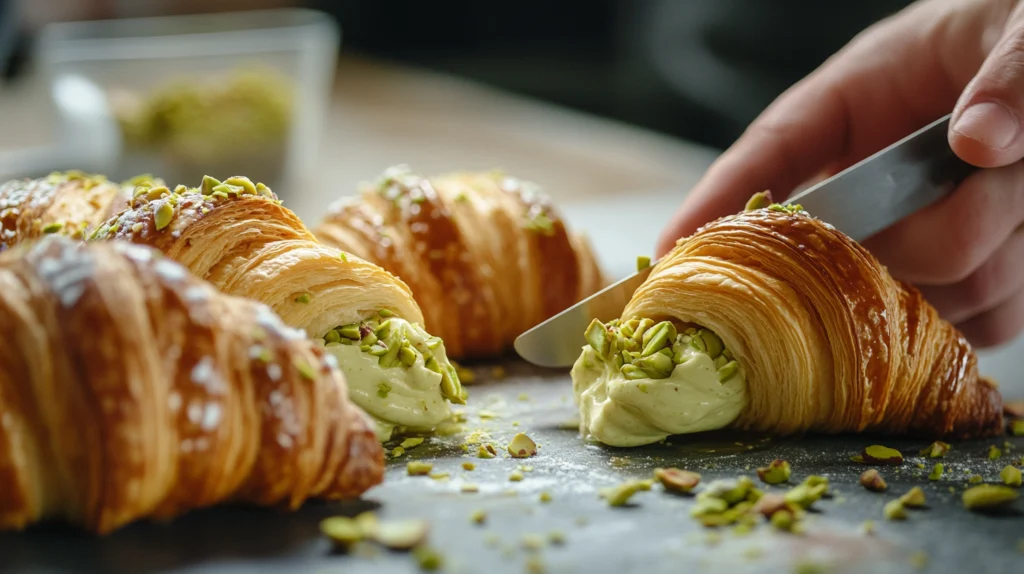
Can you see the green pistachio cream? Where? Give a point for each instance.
(637, 382)
(396, 372)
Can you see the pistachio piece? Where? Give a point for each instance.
(655, 366)
(804, 495)
(478, 517)
(1016, 427)
(305, 370)
(383, 390)
(641, 327)
(209, 182)
(516, 476)
(163, 215)
(402, 534)
(407, 355)
(246, 184)
(728, 371)
(52, 227)
(597, 336)
(975, 479)
(937, 471)
(936, 449)
(657, 337)
(642, 262)
(994, 453)
(712, 342)
(783, 520)
(878, 454)
(872, 480)
(439, 475)
(450, 387)
(332, 336)
(1011, 476)
(776, 472)
(894, 510)
(677, 480)
(418, 468)
(620, 495)
(988, 496)
(342, 530)
(521, 446)
(759, 200)
(427, 558)
(486, 451)
(412, 442)
(545, 497)
(469, 488)
(914, 498)
(397, 452)
(771, 503)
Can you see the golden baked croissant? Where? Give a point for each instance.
(134, 390)
(486, 255)
(771, 320)
(237, 235)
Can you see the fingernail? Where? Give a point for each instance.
(989, 124)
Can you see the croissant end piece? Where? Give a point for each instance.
(486, 255)
(135, 390)
(771, 320)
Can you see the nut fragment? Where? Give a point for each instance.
(914, 498)
(427, 558)
(402, 534)
(545, 496)
(783, 520)
(872, 480)
(776, 472)
(486, 451)
(878, 454)
(937, 471)
(1011, 476)
(771, 503)
(676, 479)
(411, 442)
(516, 476)
(478, 517)
(936, 450)
(418, 468)
(468, 466)
(1017, 427)
(994, 453)
(642, 262)
(620, 495)
(342, 530)
(988, 496)
(758, 201)
(521, 446)
(894, 510)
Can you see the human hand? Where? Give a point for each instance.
(966, 251)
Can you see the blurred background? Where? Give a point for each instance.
(615, 107)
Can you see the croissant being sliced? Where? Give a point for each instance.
(486, 255)
(237, 235)
(134, 390)
(771, 320)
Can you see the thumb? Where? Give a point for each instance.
(986, 128)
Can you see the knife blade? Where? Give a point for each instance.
(860, 201)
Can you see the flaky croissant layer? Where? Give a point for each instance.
(828, 340)
(135, 390)
(487, 255)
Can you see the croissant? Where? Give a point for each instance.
(237, 235)
(486, 255)
(134, 390)
(771, 320)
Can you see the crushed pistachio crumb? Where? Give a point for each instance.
(516, 476)
(469, 488)
(427, 558)
(522, 446)
(777, 472)
(468, 466)
(872, 480)
(994, 453)
(620, 495)
(486, 451)
(677, 480)
(412, 442)
(303, 298)
(545, 496)
(397, 452)
(936, 450)
(52, 227)
(937, 471)
(894, 510)
(988, 496)
(642, 262)
(1011, 476)
(439, 475)
(975, 479)
(418, 468)
(383, 390)
(478, 517)
(914, 498)
(878, 454)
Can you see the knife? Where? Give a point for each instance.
(859, 201)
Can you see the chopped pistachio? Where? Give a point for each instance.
(341, 530)
(1017, 427)
(402, 534)
(486, 451)
(498, 372)
(305, 370)
(975, 479)
(936, 450)
(1011, 476)
(545, 496)
(804, 495)
(516, 476)
(412, 442)
(914, 498)
(303, 298)
(936, 472)
(777, 472)
(677, 480)
(988, 496)
(427, 558)
(894, 510)
(556, 537)
(868, 527)
(532, 542)
(871, 479)
(521, 446)
(468, 466)
(397, 452)
(878, 454)
(620, 495)
(478, 517)
(439, 475)
(783, 520)
(52, 227)
(771, 503)
(597, 336)
(383, 389)
(758, 201)
(919, 465)
(163, 215)
(469, 487)
(418, 468)
(642, 262)
(994, 453)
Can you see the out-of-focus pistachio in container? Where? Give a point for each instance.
(239, 93)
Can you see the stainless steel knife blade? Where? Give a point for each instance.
(859, 201)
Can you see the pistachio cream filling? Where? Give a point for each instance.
(396, 372)
(637, 382)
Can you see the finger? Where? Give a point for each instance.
(994, 282)
(986, 127)
(998, 325)
(947, 241)
(859, 101)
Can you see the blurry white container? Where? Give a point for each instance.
(92, 65)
